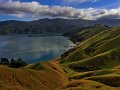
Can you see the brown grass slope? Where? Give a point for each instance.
(50, 77)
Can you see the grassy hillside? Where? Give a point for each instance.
(87, 85)
(44, 76)
(97, 58)
(103, 46)
(82, 33)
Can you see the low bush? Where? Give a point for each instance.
(13, 63)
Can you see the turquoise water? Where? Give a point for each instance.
(33, 49)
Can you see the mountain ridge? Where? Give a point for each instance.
(50, 25)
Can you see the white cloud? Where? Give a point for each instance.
(36, 10)
(79, 1)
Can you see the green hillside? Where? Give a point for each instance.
(97, 58)
(104, 46)
(82, 33)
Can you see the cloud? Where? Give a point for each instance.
(36, 10)
(79, 1)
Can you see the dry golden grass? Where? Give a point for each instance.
(29, 79)
(53, 77)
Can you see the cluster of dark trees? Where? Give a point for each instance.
(13, 63)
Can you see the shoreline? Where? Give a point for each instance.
(46, 36)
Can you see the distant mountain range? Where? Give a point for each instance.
(50, 25)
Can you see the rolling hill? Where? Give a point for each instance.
(83, 33)
(40, 76)
(96, 58)
(103, 43)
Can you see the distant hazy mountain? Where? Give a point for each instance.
(50, 25)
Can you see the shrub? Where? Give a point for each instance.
(4, 61)
(17, 63)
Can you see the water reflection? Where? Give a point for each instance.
(33, 49)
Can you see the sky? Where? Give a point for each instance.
(26, 10)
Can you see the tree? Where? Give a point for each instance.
(13, 62)
(4, 61)
(17, 63)
(21, 63)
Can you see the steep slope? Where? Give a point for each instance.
(96, 58)
(44, 76)
(82, 34)
(86, 85)
(108, 77)
(99, 45)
